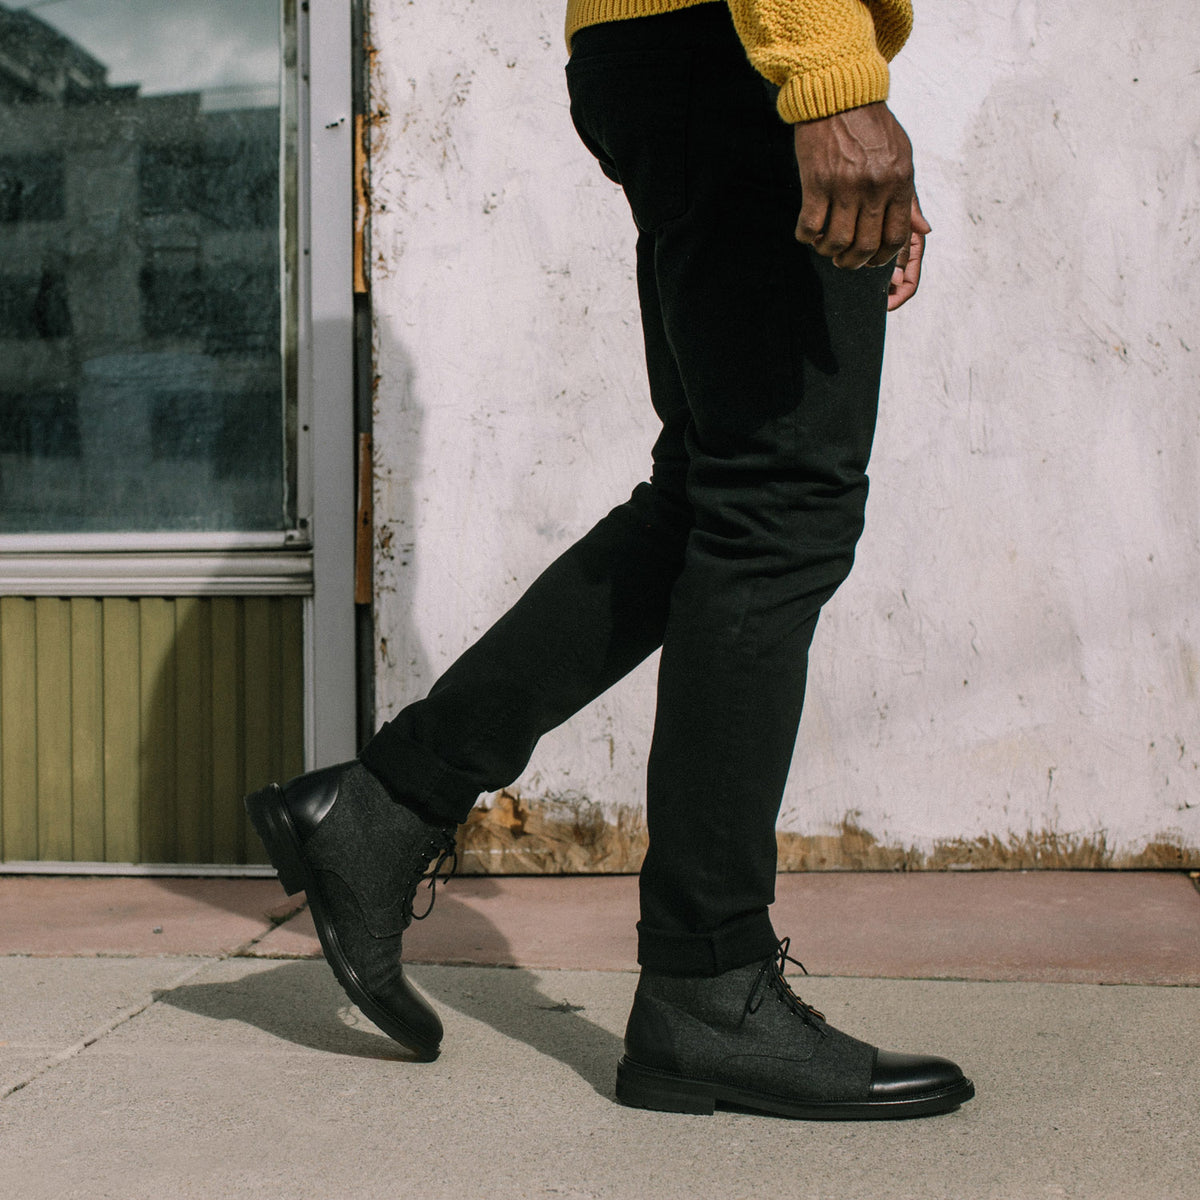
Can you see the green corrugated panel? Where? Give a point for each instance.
(228, 730)
(162, 728)
(131, 728)
(193, 749)
(18, 728)
(87, 730)
(121, 654)
(55, 825)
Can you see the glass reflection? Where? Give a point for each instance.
(140, 375)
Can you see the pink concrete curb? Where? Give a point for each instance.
(1081, 927)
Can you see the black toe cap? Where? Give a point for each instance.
(909, 1076)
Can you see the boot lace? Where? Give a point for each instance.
(771, 978)
(441, 849)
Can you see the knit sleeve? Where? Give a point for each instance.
(825, 56)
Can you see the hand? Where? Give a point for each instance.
(856, 171)
(907, 275)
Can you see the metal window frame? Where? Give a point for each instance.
(315, 559)
(327, 385)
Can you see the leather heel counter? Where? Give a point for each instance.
(310, 797)
(648, 1038)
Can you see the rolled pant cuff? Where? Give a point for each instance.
(420, 780)
(748, 939)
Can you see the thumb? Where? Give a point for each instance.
(919, 224)
(920, 227)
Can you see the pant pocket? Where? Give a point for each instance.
(631, 110)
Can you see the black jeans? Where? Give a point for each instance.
(763, 363)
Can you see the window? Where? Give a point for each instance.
(168, 321)
(31, 188)
(143, 304)
(35, 306)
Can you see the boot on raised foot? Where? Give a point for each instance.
(337, 835)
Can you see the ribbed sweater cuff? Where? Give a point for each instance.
(817, 94)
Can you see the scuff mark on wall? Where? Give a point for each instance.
(512, 834)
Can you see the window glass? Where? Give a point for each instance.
(141, 383)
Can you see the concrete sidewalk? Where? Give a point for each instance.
(173, 1038)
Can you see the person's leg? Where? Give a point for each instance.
(340, 835)
(595, 613)
(590, 618)
(777, 356)
(779, 449)
(358, 838)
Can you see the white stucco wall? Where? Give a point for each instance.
(1018, 650)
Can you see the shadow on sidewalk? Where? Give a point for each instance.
(519, 1006)
(514, 1002)
(293, 1002)
(303, 1004)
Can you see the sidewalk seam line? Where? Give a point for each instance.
(243, 951)
(128, 1014)
(102, 1031)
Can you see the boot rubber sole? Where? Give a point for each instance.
(273, 824)
(645, 1087)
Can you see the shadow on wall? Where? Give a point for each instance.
(401, 664)
(227, 710)
(132, 727)
(221, 713)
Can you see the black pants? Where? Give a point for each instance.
(763, 364)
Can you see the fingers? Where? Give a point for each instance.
(856, 174)
(917, 225)
(814, 214)
(847, 235)
(906, 278)
(894, 239)
(867, 236)
(903, 285)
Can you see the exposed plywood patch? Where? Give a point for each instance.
(517, 835)
(853, 848)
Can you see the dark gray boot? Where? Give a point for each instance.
(744, 1038)
(337, 835)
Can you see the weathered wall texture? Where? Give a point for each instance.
(1010, 676)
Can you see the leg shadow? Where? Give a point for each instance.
(514, 1000)
(298, 1002)
(301, 1002)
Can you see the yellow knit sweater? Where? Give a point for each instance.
(824, 55)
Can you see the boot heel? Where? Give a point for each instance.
(271, 822)
(640, 1087)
